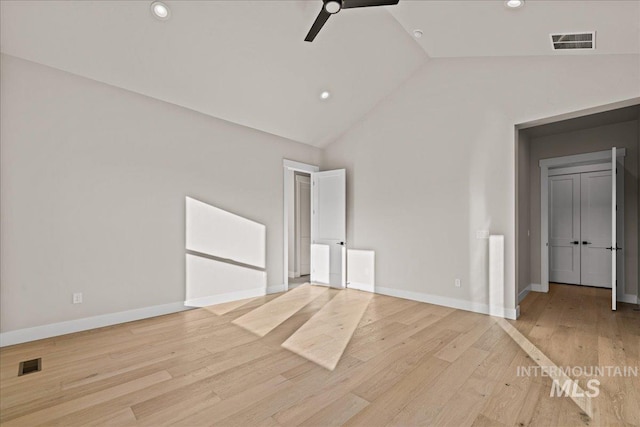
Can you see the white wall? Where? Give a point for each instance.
(93, 186)
(621, 135)
(435, 162)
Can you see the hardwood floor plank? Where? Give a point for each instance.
(338, 412)
(57, 411)
(428, 400)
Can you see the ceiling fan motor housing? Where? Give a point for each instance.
(333, 6)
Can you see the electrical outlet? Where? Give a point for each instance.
(77, 298)
(457, 283)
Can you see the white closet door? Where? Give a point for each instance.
(564, 229)
(596, 220)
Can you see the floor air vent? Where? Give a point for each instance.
(573, 41)
(29, 366)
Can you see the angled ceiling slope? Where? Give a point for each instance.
(247, 62)
(241, 61)
(472, 28)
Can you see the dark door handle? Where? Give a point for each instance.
(575, 242)
(584, 242)
(340, 243)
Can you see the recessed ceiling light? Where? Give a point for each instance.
(160, 10)
(417, 33)
(325, 95)
(514, 4)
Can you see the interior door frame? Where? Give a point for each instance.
(290, 167)
(571, 164)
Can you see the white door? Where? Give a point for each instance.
(596, 228)
(303, 223)
(614, 229)
(328, 227)
(564, 229)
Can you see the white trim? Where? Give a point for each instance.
(580, 113)
(628, 298)
(508, 313)
(537, 287)
(77, 325)
(226, 297)
(366, 287)
(276, 289)
(596, 167)
(289, 167)
(298, 166)
(523, 294)
(586, 158)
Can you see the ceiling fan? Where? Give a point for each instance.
(331, 7)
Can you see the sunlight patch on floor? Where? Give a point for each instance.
(267, 317)
(228, 307)
(325, 336)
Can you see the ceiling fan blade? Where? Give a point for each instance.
(317, 25)
(350, 4)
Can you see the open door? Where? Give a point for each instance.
(328, 228)
(614, 229)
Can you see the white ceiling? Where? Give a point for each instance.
(487, 28)
(246, 61)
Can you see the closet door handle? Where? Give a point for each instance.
(575, 242)
(584, 242)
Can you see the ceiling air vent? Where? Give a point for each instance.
(573, 41)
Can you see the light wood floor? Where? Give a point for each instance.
(407, 364)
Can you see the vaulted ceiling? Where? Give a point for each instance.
(246, 61)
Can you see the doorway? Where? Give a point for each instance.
(324, 236)
(292, 170)
(300, 251)
(582, 220)
(582, 133)
(580, 227)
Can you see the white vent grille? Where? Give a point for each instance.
(573, 41)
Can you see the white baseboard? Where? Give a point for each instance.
(629, 299)
(292, 275)
(508, 313)
(222, 298)
(524, 293)
(62, 328)
(367, 287)
(537, 287)
(274, 289)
